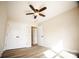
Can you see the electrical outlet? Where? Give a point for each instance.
(17, 36)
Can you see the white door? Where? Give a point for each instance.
(17, 36)
(40, 35)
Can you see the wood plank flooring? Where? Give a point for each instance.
(34, 52)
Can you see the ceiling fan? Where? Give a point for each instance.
(36, 11)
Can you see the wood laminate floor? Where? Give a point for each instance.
(36, 52)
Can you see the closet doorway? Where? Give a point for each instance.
(33, 36)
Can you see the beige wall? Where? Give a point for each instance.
(62, 27)
(3, 18)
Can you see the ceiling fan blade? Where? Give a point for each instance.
(29, 13)
(35, 17)
(42, 9)
(32, 8)
(41, 15)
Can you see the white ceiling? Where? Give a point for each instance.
(17, 10)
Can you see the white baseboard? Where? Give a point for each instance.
(74, 51)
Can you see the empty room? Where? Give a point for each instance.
(39, 29)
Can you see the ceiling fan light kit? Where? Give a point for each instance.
(36, 14)
(36, 11)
